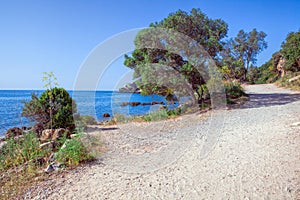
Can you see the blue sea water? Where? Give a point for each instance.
(93, 103)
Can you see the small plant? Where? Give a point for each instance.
(20, 151)
(82, 121)
(234, 90)
(73, 152)
(120, 118)
(156, 115)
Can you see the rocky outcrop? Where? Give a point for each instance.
(53, 134)
(280, 66)
(130, 88)
(14, 132)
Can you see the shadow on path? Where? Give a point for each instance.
(93, 129)
(265, 100)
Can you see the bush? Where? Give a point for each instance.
(20, 151)
(234, 90)
(73, 152)
(120, 118)
(53, 109)
(156, 115)
(82, 121)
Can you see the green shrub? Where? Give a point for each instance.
(82, 121)
(73, 152)
(120, 118)
(174, 112)
(20, 151)
(156, 115)
(53, 109)
(234, 90)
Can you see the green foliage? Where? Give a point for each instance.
(234, 90)
(82, 121)
(20, 151)
(156, 115)
(290, 50)
(120, 118)
(243, 50)
(50, 80)
(163, 72)
(73, 152)
(53, 109)
(174, 112)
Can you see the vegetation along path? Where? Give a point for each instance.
(255, 156)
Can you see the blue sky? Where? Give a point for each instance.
(58, 36)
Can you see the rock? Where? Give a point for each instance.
(280, 66)
(53, 134)
(106, 115)
(124, 104)
(2, 144)
(296, 124)
(130, 88)
(53, 167)
(38, 129)
(147, 104)
(294, 79)
(135, 103)
(155, 103)
(2, 139)
(13, 132)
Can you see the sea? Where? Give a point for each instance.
(94, 103)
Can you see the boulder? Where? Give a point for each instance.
(53, 167)
(2, 144)
(135, 103)
(13, 132)
(155, 103)
(106, 115)
(38, 129)
(130, 88)
(124, 104)
(53, 134)
(147, 104)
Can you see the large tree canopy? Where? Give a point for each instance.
(291, 51)
(244, 48)
(154, 65)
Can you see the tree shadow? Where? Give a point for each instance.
(93, 129)
(265, 100)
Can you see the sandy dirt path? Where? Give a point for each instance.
(254, 153)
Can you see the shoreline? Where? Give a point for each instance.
(252, 150)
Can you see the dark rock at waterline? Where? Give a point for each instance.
(13, 132)
(106, 115)
(135, 103)
(147, 104)
(142, 104)
(124, 104)
(155, 103)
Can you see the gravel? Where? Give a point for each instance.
(252, 152)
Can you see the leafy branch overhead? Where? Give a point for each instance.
(166, 62)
